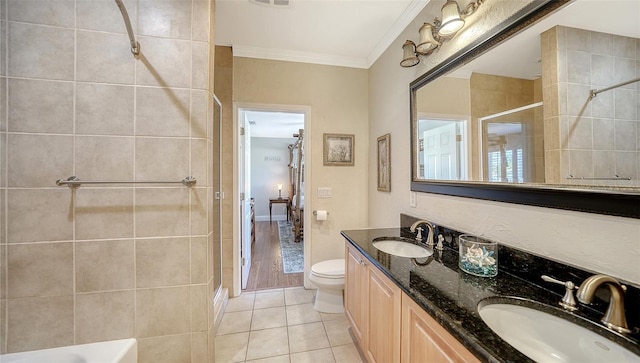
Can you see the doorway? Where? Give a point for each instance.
(271, 199)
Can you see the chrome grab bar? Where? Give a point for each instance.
(74, 182)
(135, 46)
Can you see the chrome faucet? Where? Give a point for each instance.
(429, 226)
(614, 318)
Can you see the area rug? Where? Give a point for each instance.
(292, 252)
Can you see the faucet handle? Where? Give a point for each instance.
(419, 234)
(568, 300)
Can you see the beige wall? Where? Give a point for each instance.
(493, 94)
(337, 97)
(106, 262)
(597, 242)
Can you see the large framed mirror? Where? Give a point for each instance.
(542, 110)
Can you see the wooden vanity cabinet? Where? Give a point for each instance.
(388, 325)
(372, 305)
(424, 340)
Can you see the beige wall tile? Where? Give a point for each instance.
(173, 349)
(104, 109)
(40, 106)
(38, 160)
(624, 47)
(103, 15)
(164, 62)
(625, 135)
(580, 133)
(53, 12)
(198, 260)
(625, 107)
(604, 163)
(104, 213)
(200, 26)
(162, 112)
(50, 53)
(199, 123)
(601, 71)
(3, 274)
(604, 129)
(199, 211)
(3, 46)
(3, 331)
(200, 65)
(38, 215)
(162, 212)
(165, 18)
(161, 159)
(199, 318)
(162, 311)
(104, 57)
(580, 69)
(104, 316)
(162, 262)
(602, 43)
(43, 269)
(104, 265)
(39, 323)
(627, 164)
(104, 158)
(199, 348)
(3, 97)
(623, 71)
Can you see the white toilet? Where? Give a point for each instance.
(328, 277)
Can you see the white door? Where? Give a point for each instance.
(441, 153)
(245, 199)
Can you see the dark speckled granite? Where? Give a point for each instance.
(451, 296)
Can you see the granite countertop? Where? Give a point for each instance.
(451, 296)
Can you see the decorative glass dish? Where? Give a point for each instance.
(478, 256)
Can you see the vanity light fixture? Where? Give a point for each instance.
(433, 35)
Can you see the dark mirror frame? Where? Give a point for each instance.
(609, 202)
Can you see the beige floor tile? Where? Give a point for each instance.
(269, 318)
(346, 354)
(338, 331)
(278, 359)
(314, 356)
(241, 303)
(307, 337)
(298, 295)
(328, 317)
(235, 322)
(268, 343)
(231, 348)
(269, 299)
(302, 314)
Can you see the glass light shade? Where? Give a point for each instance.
(279, 186)
(409, 57)
(451, 20)
(427, 42)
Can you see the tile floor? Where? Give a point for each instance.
(280, 325)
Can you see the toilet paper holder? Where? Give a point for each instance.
(315, 213)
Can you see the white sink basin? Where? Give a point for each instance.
(544, 337)
(401, 248)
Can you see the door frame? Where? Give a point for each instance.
(236, 238)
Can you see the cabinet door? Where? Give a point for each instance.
(355, 292)
(383, 313)
(424, 340)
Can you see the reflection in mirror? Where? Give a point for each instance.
(524, 112)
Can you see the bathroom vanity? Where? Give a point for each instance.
(411, 310)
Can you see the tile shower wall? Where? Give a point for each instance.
(105, 262)
(591, 138)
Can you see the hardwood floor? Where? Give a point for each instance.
(266, 261)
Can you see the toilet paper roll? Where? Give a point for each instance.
(321, 215)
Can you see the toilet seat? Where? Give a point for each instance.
(330, 269)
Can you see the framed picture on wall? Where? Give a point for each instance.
(384, 163)
(338, 150)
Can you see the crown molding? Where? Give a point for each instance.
(298, 56)
(414, 8)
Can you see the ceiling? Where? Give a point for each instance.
(519, 57)
(274, 124)
(350, 33)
